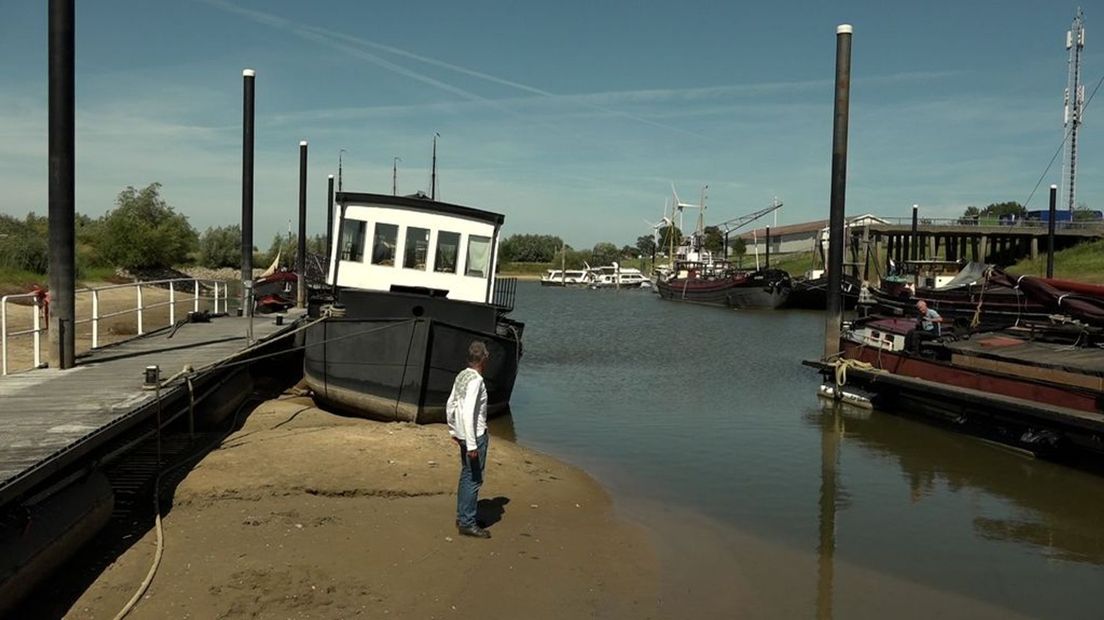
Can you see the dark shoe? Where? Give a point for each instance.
(478, 522)
(474, 531)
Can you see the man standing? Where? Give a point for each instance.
(927, 327)
(466, 412)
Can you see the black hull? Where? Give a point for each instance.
(765, 290)
(394, 356)
(813, 294)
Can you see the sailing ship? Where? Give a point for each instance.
(413, 285)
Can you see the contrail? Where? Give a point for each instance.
(325, 36)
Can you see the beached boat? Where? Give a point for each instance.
(414, 285)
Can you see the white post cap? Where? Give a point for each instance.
(302, 143)
(248, 73)
(843, 29)
(1053, 187)
(331, 176)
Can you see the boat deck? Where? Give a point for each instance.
(50, 418)
(1027, 353)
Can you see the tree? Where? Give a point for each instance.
(629, 251)
(714, 239)
(737, 247)
(996, 210)
(529, 248)
(604, 253)
(220, 247)
(667, 235)
(646, 245)
(143, 231)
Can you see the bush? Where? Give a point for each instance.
(143, 232)
(220, 247)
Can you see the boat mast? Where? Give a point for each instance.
(395, 175)
(1074, 100)
(339, 154)
(433, 170)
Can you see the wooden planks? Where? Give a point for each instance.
(46, 414)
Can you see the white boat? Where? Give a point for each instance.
(566, 277)
(615, 276)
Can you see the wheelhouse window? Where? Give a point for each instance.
(479, 256)
(352, 240)
(416, 252)
(383, 244)
(448, 247)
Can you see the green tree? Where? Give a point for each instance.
(220, 247)
(629, 251)
(667, 235)
(604, 253)
(997, 210)
(737, 247)
(23, 244)
(713, 239)
(529, 248)
(646, 245)
(144, 232)
(1082, 213)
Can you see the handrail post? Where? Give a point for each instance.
(195, 289)
(37, 332)
(4, 334)
(138, 287)
(95, 318)
(172, 304)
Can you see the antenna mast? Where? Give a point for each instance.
(433, 173)
(339, 154)
(1074, 100)
(395, 175)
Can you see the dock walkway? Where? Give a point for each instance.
(51, 418)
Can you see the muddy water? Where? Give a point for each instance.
(706, 428)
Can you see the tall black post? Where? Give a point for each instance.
(914, 247)
(301, 251)
(834, 308)
(248, 77)
(1050, 230)
(433, 170)
(329, 218)
(62, 193)
(766, 261)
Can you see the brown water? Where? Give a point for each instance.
(706, 428)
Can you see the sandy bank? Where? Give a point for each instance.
(308, 515)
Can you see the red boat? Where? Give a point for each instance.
(768, 288)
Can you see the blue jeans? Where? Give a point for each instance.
(471, 478)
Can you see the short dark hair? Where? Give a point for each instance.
(477, 352)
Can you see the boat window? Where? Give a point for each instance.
(352, 240)
(479, 256)
(383, 244)
(448, 246)
(417, 248)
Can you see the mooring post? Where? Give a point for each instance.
(301, 251)
(834, 308)
(914, 247)
(329, 218)
(62, 197)
(766, 256)
(1050, 230)
(248, 77)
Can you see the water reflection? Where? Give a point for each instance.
(831, 429)
(1051, 509)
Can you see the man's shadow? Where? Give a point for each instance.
(490, 511)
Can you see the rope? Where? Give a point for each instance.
(840, 366)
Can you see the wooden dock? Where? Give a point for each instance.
(52, 419)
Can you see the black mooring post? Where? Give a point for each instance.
(62, 196)
(914, 246)
(248, 77)
(766, 260)
(329, 218)
(1050, 230)
(833, 315)
(301, 251)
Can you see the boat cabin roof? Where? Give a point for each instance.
(419, 204)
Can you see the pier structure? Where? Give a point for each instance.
(963, 240)
(61, 429)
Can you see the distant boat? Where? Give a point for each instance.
(615, 276)
(415, 285)
(810, 292)
(566, 278)
(768, 288)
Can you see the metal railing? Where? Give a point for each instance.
(985, 221)
(219, 293)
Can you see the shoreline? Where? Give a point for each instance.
(305, 513)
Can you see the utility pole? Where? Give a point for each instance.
(395, 175)
(1075, 100)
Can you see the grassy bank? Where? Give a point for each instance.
(1083, 262)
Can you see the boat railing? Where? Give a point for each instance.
(505, 291)
(210, 294)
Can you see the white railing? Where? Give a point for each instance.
(219, 294)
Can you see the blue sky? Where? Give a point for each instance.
(572, 118)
